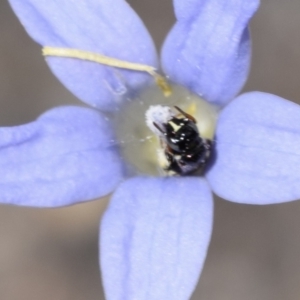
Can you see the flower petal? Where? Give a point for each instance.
(107, 27)
(62, 158)
(154, 238)
(258, 153)
(208, 50)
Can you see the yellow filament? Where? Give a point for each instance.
(109, 61)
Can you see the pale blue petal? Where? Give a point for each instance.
(154, 238)
(107, 27)
(209, 49)
(63, 158)
(258, 150)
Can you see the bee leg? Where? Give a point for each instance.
(173, 164)
(159, 128)
(188, 116)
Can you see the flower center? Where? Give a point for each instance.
(144, 150)
(171, 143)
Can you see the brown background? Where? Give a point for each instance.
(52, 254)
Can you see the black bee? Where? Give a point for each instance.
(185, 150)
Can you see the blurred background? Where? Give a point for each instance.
(53, 253)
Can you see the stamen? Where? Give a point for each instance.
(162, 84)
(110, 61)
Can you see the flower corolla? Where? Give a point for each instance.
(156, 231)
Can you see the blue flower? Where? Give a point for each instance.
(156, 231)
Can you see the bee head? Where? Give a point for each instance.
(182, 135)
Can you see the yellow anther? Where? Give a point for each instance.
(109, 61)
(163, 84)
(191, 109)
